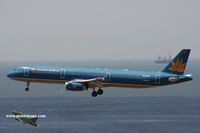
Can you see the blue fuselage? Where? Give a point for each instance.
(112, 78)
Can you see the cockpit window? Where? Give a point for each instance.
(18, 69)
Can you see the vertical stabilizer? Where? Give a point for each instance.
(178, 64)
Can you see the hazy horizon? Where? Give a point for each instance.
(97, 30)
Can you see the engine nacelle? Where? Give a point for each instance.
(75, 86)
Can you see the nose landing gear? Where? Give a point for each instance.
(27, 87)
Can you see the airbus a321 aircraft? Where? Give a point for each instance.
(80, 79)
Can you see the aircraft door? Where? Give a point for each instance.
(157, 78)
(62, 74)
(107, 77)
(26, 72)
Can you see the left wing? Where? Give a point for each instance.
(92, 83)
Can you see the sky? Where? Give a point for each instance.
(97, 29)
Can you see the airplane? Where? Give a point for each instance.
(25, 120)
(80, 79)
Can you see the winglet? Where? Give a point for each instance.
(178, 64)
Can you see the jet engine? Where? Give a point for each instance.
(75, 86)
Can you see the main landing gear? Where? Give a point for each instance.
(27, 87)
(96, 93)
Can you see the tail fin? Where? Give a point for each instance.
(178, 64)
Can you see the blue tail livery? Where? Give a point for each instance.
(80, 79)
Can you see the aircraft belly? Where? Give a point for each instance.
(50, 81)
(127, 85)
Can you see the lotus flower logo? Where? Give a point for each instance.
(177, 66)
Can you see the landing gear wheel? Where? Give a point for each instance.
(94, 94)
(26, 89)
(100, 91)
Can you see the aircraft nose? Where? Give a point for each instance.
(10, 75)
